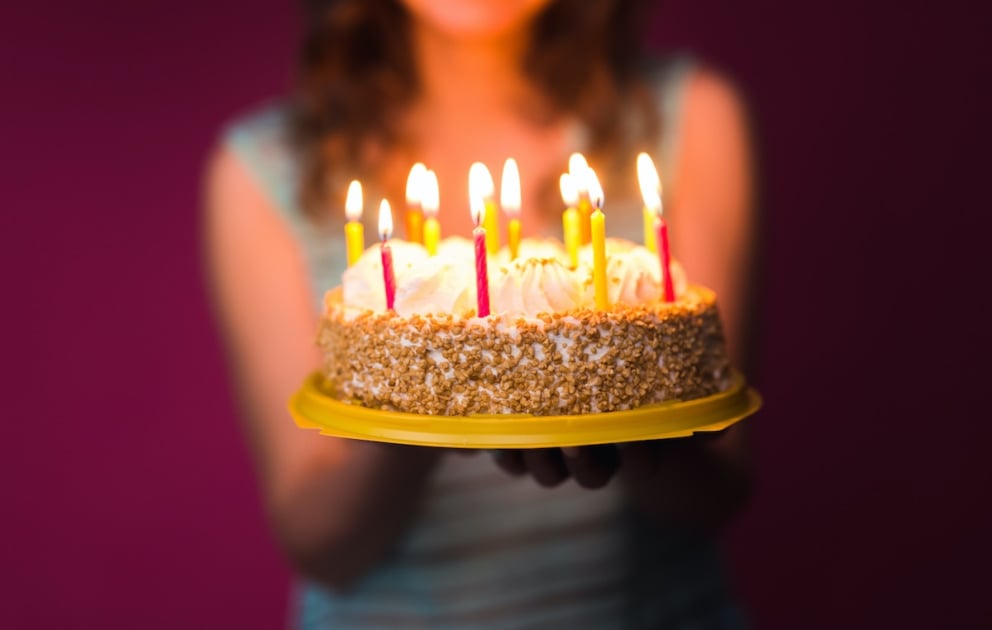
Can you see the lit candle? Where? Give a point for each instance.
(647, 177)
(597, 231)
(485, 187)
(578, 168)
(354, 233)
(651, 192)
(477, 204)
(570, 218)
(414, 199)
(666, 258)
(509, 199)
(385, 231)
(431, 202)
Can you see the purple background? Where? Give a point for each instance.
(128, 499)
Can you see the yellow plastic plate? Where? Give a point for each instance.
(312, 408)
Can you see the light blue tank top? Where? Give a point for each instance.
(489, 551)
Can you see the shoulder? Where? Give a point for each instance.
(713, 104)
(244, 237)
(227, 183)
(235, 207)
(259, 141)
(686, 86)
(715, 154)
(263, 124)
(716, 149)
(250, 172)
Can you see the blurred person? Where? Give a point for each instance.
(395, 536)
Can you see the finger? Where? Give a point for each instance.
(591, 466)
(510, 461)
(546, 465)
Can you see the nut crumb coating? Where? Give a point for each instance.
(576, 362)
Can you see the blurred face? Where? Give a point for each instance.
(475, 19)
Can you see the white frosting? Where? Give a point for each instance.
(533, 248)
(633, 273)
(363, 282)
(614, 247)
(533, 286)
(538, 281)
(457, 248)
(438, 284)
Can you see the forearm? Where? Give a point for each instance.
(337, 519)
(698, 483)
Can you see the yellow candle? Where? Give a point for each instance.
(414, 201)
(491, 225)
(431, 202)
(513, 234)
(414, 225)
(597, 222)
(570, 219)
(585, 210)
(354, 233)
(570, 225)
(649, 239)
(485, 187)
(509, 198)
(432, 235)
(650, 183)
(597, 230)
(579, 170)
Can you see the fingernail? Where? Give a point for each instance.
(570, 451)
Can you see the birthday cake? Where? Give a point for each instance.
(544, 349)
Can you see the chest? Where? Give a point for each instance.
(541, 155)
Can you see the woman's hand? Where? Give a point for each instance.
(699, 481)
(590, 466)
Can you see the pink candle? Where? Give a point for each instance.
(388, 274)
(481, 272)
(661, 237)
(480, 188)
(647, 177)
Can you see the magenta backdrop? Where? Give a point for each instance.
(128, 499)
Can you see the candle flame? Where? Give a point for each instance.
(647, 177)
(569, 192)
(385, 220)
(414, 184)
(595, 189)
(480, 187)
(431, 197)
(577, 167)
(353, 202)
(509, 189)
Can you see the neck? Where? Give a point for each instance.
(479, 76)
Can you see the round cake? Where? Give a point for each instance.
(543, 350)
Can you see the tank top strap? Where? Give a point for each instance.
(666, 79)
(260, 141)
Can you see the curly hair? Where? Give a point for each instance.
(357, 73)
